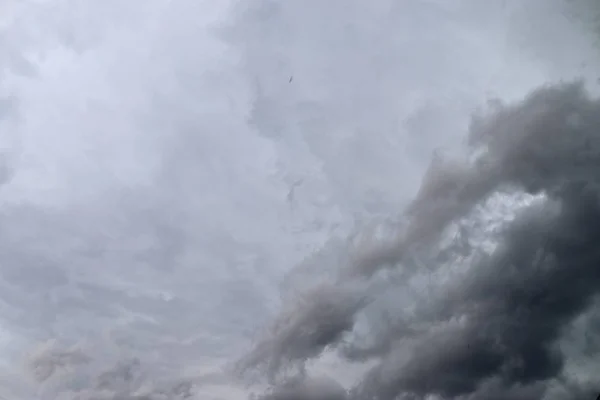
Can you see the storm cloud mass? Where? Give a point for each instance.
(494, 332)
(299, 200)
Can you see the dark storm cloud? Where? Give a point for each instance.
(304, 330)
(494, 333)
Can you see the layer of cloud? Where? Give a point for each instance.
(165, 164)
(497, 328)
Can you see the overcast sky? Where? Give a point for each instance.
(165, 163)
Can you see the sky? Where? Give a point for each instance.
(173, 171)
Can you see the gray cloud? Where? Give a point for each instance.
(498, 326)
(165, 164)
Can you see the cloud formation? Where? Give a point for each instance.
(493, 333)
(164, 163)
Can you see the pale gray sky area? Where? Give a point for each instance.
(168, 166)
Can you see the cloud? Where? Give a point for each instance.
(499, 325)
(163, 173)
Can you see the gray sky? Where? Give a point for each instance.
(166, 163)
